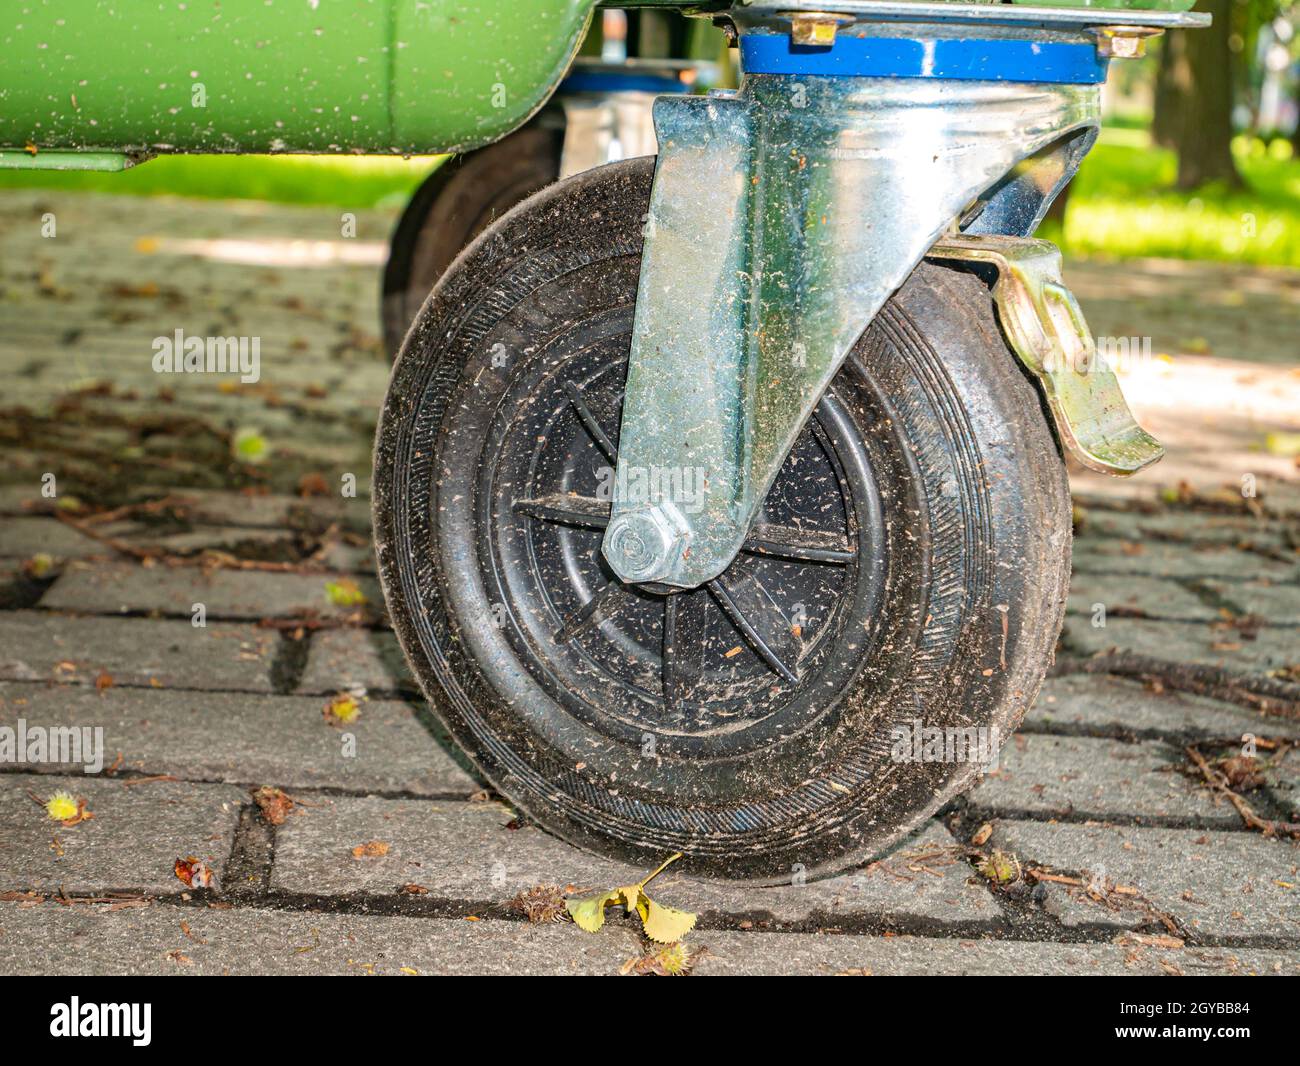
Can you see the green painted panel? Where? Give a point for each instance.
(108, 162)
(400, 76)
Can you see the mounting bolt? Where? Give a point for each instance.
(642, 544)
(1124, 42)
(815, 29)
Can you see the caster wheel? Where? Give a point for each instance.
(909, 565)
(454, 205)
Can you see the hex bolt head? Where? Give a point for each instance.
(642, 544)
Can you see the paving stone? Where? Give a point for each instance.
(24, 537)
(250, 739)
(813, 954)
(349, 558)
(1229, 307)
(241, 541)
(1216, 884)
(1085, 778)
(272, 510)
(1117, 593)
(1206, 644)
(1282, 775)
(1166, 560)
(1179, 527)
(45, 938)
(94, 940)
(252, 594)
(1277, 603)
(465, 852)
(1095, 703)
(344, 658)
(133, 841)
(44, 646)
(15, 498)
(1075, 909)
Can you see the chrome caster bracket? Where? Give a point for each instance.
(785, 214)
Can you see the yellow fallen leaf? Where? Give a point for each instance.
(662, 924)
(344, 593)
(666, 925)
(589, 914)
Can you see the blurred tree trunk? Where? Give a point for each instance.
(1194, 100)
(1295, 133)
(651, 35)
(1166, 93)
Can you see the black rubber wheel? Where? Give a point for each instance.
(456, 203)
(910, 562)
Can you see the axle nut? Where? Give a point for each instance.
(640, 544)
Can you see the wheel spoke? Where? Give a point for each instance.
(800, 545)
(760, 621)
(585, 512)
(584, 614)
(589, 420)
(778, 542)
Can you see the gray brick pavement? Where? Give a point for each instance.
(251, 739)
(1215, 884)
(99, 940)
(45, 646)
(466, 852)
(235, 705)
(132, 843)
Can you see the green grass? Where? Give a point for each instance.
(1122, 204)
(358, 182)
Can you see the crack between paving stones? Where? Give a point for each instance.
(1027, 914)
(394, 695)
(437, 908)
(289, 662)
(247, 873)
(1104, 820)
(1092, 571)
(1213, 599)
(1278, 699)
(978, 812)
(284, 621)
(1192, 544)
(1123, 734)
(328, 791)
(1183, 620)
